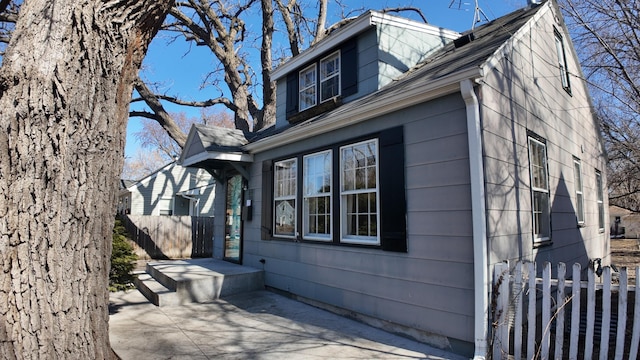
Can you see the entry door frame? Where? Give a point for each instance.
(235, 185)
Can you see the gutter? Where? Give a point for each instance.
(478, 211)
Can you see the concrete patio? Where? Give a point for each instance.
(252, 325)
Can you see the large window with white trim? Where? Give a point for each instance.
(359, 192)
(351, 193)
(317, 196)
(307, 87)
(285, 197)
(539, 190)
(330, 77)
(577, 175)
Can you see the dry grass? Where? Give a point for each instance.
(626, 253)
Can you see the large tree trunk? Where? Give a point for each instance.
(65, 85)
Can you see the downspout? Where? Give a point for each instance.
(478, 213)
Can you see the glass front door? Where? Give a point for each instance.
(233, 222)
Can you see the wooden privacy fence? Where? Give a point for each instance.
(561, 318)
(171, 237)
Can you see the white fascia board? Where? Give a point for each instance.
(356, 27)
(369, 19)
(220, 156)
(507, 47)
(398, 101)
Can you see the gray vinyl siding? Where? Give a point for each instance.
(423, 288)
(535, 101)
(401, 49)
(385, 52)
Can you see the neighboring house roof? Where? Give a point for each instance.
(212, 145)
(438, 75)
(125, 184)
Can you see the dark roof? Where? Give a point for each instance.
(486, 40)
(215, 138)
(126, 183)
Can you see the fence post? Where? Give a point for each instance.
(561, 301)
(531, 311)
(622, 313)
(591, 312)
(635, 338)
(606, 313)
(501, 313)
(575, 313)
(518, 290)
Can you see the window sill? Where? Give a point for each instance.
(542, 243)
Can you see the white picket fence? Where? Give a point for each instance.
(543, 318)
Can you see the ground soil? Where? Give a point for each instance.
(626, 253)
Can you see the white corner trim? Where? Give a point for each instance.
(480, 261)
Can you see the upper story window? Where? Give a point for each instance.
(539, 190)
(323, 84)
(307, 87)
(600, 200)
(562, 61)
(330, 77)
(577, 175)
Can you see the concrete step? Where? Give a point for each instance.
(155, 292)
(197, 280)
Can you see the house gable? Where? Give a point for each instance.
(371, 51)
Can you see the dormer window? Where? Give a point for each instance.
(307, 87)
(322, 83)
(330, 77)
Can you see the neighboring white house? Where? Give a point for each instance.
(170, 190)
(406, 161)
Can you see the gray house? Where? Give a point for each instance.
(171, 190)
(406, 160)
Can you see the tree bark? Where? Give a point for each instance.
(65, 85)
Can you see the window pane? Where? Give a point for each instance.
(600, 200)
(317, 195)
(330, 77)
(307, 85)
(577, 173)
(539, 190)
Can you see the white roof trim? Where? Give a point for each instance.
(400, 100)
(215, 155)
(507, 47)
(363, 22)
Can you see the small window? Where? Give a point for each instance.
(539, 190)
(307, 87)
(600, 200)
(330, 77)
(577, 175)
(562, 61)
(285, 188)
(317, 196)
(359, 192)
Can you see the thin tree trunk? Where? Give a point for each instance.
(65, 85)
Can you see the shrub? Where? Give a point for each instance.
(122, 260)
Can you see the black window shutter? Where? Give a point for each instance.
(292, 94)
(393, 205)
(349, 68)
(267, 200)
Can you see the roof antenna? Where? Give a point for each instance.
(477, 14)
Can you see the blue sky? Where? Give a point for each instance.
(179, 69)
